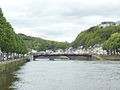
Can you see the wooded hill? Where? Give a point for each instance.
(40, 44)
(95, 35)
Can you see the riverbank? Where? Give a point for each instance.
(6, 72)
(7, 69)
(111, 57)
(99, 57)
(11, 64)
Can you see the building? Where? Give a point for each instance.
(97, 49)
(59, 51)
(106, 24)
(49, 51)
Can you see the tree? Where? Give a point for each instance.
(10, 42)
(94, 36)
(40, 44)
(113, 43)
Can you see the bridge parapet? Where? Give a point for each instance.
(88, 56)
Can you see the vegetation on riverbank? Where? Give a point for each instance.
(112, 45)
(10, 42)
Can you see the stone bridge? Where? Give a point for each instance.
(53, 56)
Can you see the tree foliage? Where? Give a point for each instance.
(10, 42)
(113, 43)
(95, 35)
(40, 44)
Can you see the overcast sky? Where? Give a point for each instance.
(59, 20)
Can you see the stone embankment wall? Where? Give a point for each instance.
(112, 57)
(11, 64)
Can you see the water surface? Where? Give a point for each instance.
(68, 75)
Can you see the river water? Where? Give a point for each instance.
(67, 75)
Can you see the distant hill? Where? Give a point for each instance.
(96, 34)
(40, 44)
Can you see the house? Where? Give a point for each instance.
(0, 53)
(97, 49)
(70, 50)
(49, 51)
(106, 24)
(59, 51)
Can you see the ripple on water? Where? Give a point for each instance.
(69, 75)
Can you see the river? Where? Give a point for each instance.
(67, 75)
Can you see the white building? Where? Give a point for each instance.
(34, 51)
(106, 24)
(49, 51)
(0, 54)
(59, 51)
(70, 50)
(97, 49)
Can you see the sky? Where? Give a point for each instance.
(58, 20)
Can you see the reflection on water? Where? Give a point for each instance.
(64, 75)
(6, 80)
(69, 75)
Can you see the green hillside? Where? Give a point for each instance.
(40, 44)
(95, 35)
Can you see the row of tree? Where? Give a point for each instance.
(10, 42)
(112, 45)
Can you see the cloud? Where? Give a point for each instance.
(59, 20)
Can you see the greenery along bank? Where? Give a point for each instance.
(40, 44)
(112, 45)
(10, 42)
